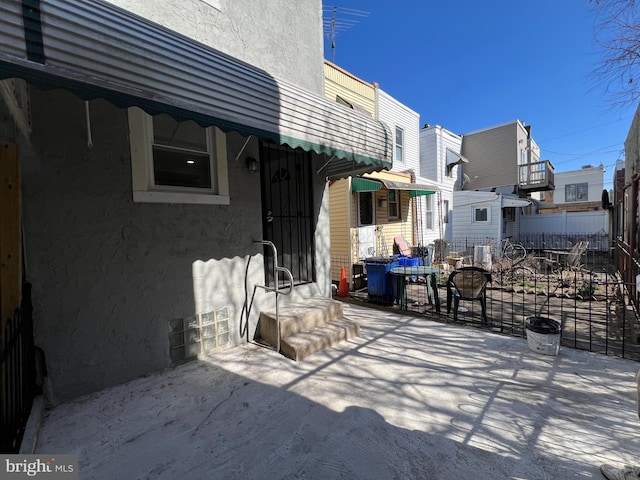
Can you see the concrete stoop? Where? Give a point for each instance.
(308, 327)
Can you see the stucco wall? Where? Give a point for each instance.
(109, 274)
(261, 32)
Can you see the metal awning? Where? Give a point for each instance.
(97, 50)
(414, 189)
(514, 202)
(454, 158)
(360, 184)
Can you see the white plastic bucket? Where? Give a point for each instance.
(543, 335)
(482, 256)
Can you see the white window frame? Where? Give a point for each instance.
(142, 180)
(399, 145)
(396, 202)
(428, 213)
(372, 198)
(474, 216)
(445, 211)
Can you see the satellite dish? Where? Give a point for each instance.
(605, 200)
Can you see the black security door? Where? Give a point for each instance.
(287, 207)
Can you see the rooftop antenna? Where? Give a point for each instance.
(336, 20)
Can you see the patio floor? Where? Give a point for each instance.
(410, 398)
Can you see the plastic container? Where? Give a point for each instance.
(482, 256)
(543, 335)
(380, 284)
(410, 262)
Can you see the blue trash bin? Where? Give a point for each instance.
(380, 284)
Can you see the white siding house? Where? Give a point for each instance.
(485, 215)
(405, 127)
(430, 218)
(579, 186)
(439, 163)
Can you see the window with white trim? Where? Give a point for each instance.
(176, 162)
(481, 214)
(428, 212)
(393, 204)
(399, 144)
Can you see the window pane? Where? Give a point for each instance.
(393, 198)
(399, 136)
(181, 169)
(481, 214)
(188, 135)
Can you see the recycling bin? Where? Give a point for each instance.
(380, 283)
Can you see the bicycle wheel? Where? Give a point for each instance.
(515, 251)
(518, 278)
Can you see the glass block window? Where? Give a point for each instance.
(204, 333)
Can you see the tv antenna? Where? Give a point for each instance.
(336, 20)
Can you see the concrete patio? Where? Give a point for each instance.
(409, 398)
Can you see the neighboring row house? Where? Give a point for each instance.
(369, 211)
(576, 191)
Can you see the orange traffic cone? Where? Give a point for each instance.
(343, 288)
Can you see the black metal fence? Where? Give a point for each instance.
(17, 375)
(535, 242)
(627, 262)
(596, 304)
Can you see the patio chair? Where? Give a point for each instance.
(558, 260)
(574, 259)
(468, 283)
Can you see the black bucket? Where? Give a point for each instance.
(542, 325)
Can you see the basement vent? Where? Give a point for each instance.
(203, 333)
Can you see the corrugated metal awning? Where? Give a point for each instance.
(97, 50)
(514, 202)
(360, 184)
(415, 189)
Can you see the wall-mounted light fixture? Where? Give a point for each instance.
(253, 165)
(382, 203)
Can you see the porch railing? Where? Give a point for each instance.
(17, 375)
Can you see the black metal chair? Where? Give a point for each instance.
(468, 283)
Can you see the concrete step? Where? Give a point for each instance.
(298, 317)
(303, 344)
(308, 327)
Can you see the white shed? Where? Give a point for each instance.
(485, 215)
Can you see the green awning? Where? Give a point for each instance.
(359, 184)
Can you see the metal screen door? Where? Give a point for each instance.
(287, 211)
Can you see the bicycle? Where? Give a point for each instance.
(508, 270)
(513, 251)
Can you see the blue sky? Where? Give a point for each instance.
(468, 65)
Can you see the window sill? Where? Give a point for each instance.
(177, 197)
